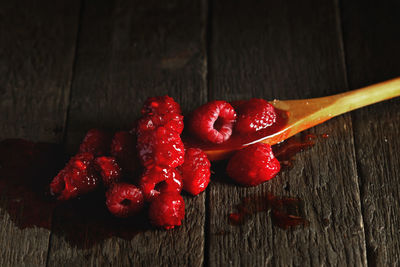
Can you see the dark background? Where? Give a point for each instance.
(68, 66)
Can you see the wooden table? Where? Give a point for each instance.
(68, 66)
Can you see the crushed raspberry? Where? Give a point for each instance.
(159, 180)
(213, 121)
(77, 178)
(161, 147)
(124, 200)
(195, 171)
(253, 165)
(160, 105)
(109, 170)
(96, 142)
(170, 121)
(167, 210)
(57, 185)
(254, 115)
(123, 148)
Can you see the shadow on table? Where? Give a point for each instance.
(26, 169)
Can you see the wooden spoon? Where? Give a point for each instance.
(306, 113)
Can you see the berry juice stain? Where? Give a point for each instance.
(286, 151)
(26, 170)
(285, 212)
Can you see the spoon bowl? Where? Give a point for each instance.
(295, 116)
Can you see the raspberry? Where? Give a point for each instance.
(124, 200)
(77, 178)
(123, 148)
(161, 147)
(213, 121)
(96, 142)
(170, 121)
(253, 165)
(58, 186)
(254, 115)
(160, 105)
(167, 210)
(195, 171)
(158, 180)
(109, 170)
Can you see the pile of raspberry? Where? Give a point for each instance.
(216, 121)
(148, 166)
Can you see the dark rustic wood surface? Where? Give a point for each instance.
(68, 66)
(371, 43)
(275, 65)
(35, 81)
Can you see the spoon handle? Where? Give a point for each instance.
(362, 97)
(306, 113)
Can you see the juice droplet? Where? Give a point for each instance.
(285, 212)
(285, 152)
(236, 218)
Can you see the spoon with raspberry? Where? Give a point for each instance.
(219, 128)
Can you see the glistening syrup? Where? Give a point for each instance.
(237, 140)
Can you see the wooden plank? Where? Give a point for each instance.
(371, 38)
(36, 54)
(286, 50)
(143, 49)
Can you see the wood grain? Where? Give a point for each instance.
(128, 51)
(36, 64)
(371, 38)
(143, 49)
(286, 50)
